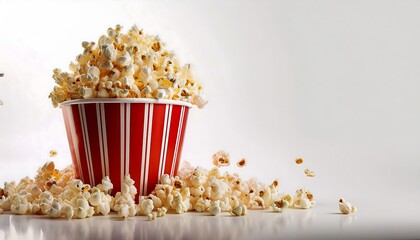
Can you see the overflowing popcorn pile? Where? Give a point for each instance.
(127, 65)
(58, 194)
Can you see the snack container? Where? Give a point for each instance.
(118, 136)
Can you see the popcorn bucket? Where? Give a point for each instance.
(115, 137)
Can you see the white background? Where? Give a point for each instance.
(334, 82)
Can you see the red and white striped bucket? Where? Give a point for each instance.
(113, 137)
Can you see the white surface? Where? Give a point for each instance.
(321, 222)
(335, 82)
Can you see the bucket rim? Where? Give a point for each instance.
(124, 100)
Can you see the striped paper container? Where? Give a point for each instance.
(113, 137)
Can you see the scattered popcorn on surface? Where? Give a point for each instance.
(127, 65)
(346, 207)
(58, 194)
(309, 173)
(53, 153)
(299, 160)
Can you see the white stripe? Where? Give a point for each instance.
(167, 138)
(149, 136)
(181, 120)
(127, 139)
(101, 149)
(75, 141)
(162, 146)
(86, 142)
(105, 140)
(122, 140)
(143, 157)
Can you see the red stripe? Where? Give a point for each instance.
(181, 140)
(92, 128)
(112, 118)
(80, 142)
(136, 142)
(155, 145)
(175, 118)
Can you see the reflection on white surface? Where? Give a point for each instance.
(319, 222)
(192, 225)
(256, 224)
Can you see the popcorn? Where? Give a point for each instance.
(241, 163)
(55, 210)
(53, 153)
(279, 205)
(165, 179)
(221, 159)
(309, 173)
(214, 208)
(127, 65)
(152, 216)
(239, 211)
(161, 211)
(101, 202)
(67, 211)
(123, 211)
(202, 205)
(82, 208)
(303, 199)
(299, 161)
(145, 206)
(19, 204)
(57, 194)
(106, 185)
(346, 207)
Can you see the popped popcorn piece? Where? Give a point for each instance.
(221, 159)
(202, 205)
(279, 205)
(289, 199)
(55, 210)
(106, 185)
(239, 211)
(309, 173)
(241, 163)
(304, 203)
(101, 202)
(299, 161)
(303, 199)
(258, 201)
(67, 211)
(123, 211)
(53, 153)
(145, 206)
(82, 208)
(346, 207)
(19, 204)
(165, 179)
(152, 216)
(214, 208)
(161, 211)
(127, 65)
